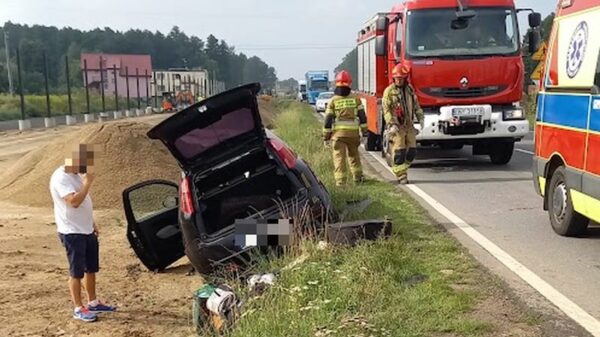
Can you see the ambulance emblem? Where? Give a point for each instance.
(577, 48)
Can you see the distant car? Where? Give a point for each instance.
(232, 169)
(323, 101)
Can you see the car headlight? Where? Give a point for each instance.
(514, 113)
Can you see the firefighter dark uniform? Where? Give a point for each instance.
(400, 109)
(345, 121)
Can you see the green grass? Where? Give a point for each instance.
(35, 105)
(373, 282)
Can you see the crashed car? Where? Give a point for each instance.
(232, 169)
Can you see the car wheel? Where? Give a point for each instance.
(501, 153)
(563, 218)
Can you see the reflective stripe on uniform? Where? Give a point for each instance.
(347, 103)
(345, 125)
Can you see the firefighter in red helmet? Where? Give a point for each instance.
(345, 122)
(400, 109)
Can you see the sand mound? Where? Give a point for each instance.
(128, 157)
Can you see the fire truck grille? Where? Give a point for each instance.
(464, 93)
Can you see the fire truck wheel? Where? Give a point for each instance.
(501, 153)
(563, 218)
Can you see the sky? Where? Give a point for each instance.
(291, 35)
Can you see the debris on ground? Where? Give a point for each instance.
(258, 283)
(350, 233)
(355, 207)
(215, 307)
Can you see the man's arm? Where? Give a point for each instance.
(362, 117)
(75, 199)
(388, 115)
(329, 117)
(417, 107)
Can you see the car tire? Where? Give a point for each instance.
(501, 153)
(564, 219)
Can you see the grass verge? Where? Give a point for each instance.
(418, 283)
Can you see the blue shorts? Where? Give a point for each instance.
(82, 252)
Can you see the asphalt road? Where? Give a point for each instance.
(501, 204)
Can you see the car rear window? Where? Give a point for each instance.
(231, 125)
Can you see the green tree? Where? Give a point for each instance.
(350, 64)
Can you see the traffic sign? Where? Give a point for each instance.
(536, 75)
(540, 53)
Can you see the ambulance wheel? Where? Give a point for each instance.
(563, 218)
(501, 153)
(372, 140)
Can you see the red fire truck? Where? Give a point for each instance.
(467, 70)
(567, 137)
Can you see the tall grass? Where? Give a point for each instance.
(417, 283)
(35, 105)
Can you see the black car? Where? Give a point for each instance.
(232, 168)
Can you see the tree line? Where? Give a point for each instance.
(173, 50)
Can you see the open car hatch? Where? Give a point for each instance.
(213, 130)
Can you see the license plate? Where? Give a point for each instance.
(468, 111)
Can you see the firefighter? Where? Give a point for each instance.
(400, 108)
(345, 121)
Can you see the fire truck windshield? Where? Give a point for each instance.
(493, 31)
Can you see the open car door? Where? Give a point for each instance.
(151, 209)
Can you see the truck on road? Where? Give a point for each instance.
(467, 70)
(567, 130)
(316, 83)
(302, 91)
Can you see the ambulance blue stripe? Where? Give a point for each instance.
(566, 110)
(595, 118)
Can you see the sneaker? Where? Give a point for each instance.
(403, 180)
(84, 315)
(100, 307)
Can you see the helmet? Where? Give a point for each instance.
(343, 79)
(401, 70)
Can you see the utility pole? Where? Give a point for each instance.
(10, 83)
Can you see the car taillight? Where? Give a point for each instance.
(284, 153)
(185, 197)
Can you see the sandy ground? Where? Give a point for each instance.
(34, 270)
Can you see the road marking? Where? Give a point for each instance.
(587, 321)
(525, 151)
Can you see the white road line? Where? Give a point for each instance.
(587, 321)
(525, 151)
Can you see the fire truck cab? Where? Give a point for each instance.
(567, 133)
(467, 70)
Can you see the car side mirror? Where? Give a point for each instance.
(535, 20)
(170, 202)
(534, 39)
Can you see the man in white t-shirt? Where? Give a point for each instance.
(70, 186)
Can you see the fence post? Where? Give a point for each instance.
(88, 114)
(117, 112)
(70, 120)
(155, 91)
(102, 85)
(48, 121)
(23, 123)
(137, 80)
(128, 113)
(147, 88)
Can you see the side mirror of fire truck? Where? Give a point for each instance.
(534, 39)
(535, 20)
